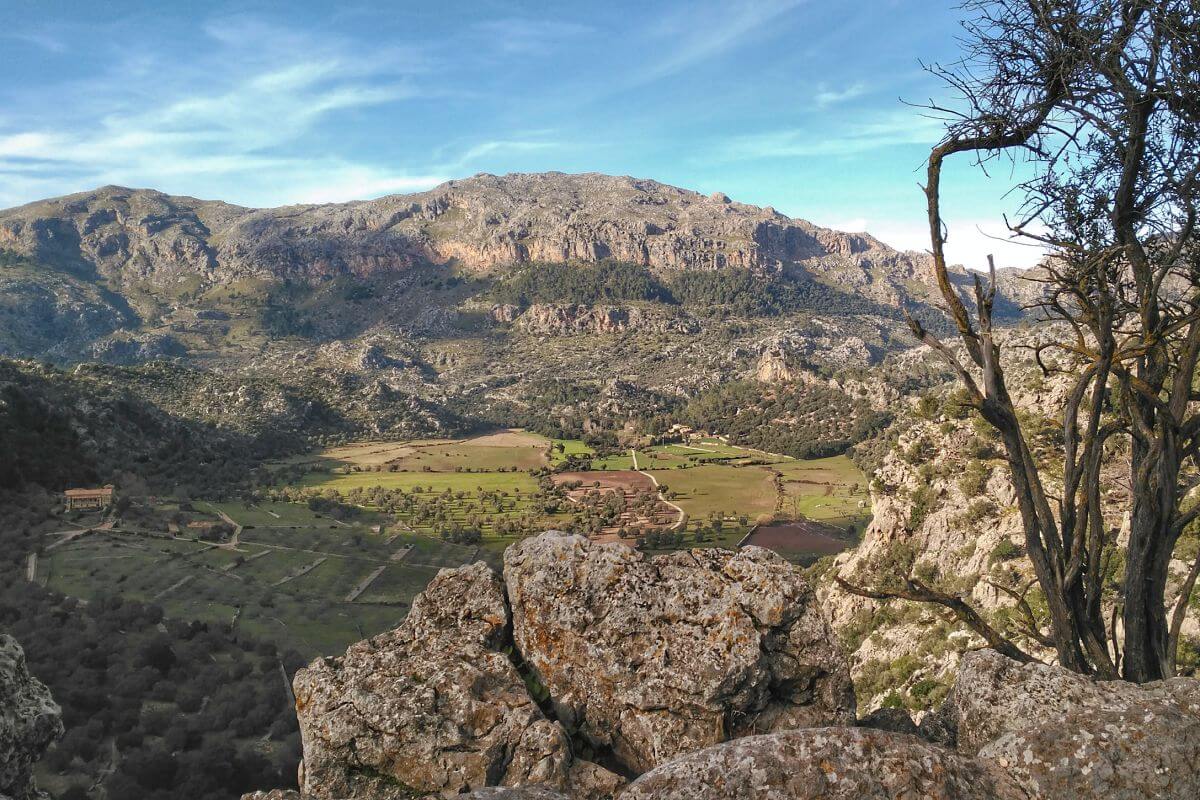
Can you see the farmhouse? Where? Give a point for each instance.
(89, 499)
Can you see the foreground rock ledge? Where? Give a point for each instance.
(433, 707)
(651, 658)
(1063, 735)
(638, 660)
(825, 764)
(30, 721)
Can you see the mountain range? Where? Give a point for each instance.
(584, 299)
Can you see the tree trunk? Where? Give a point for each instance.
(1151, 542)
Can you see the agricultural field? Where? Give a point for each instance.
(293, 576)
(339, 548)
(719, 489)
(828, 490)
(497, 484)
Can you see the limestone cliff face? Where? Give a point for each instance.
(130, 236)
(30, 721)
(945, 511)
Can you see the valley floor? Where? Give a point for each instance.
(340, 545)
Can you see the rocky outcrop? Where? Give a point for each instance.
(435, 706)
(825, 764)
(30, 721)
(994, 695)
(672, 667)
(651, 658)
(515, 793)
(636, 660)
(791, 356)
(1063, 735)
(1138, 754)
(773, 367)
(134, 349)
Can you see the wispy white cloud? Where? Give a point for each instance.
(265, 88)
(827, 97)
(483, 149)
(525, 36)
(42, 40)
(339, 183)
(889, 129)
(702, 32)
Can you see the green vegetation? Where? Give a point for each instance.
(720, 489)
(1004, 550)
(730, 292)
(602, 282)
(155, 705)
(921, 502)
(255, 587)
(973, 480)
(10, 259)
(803, 421)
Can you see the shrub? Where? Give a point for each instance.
(922, 500)
(973, 481)
(1004, 550)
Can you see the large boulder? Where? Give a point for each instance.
(1063, 735)
(30, 721)
(1136, 754)
(435, 706)
(994, 695)
(824, 764)
(651, 658)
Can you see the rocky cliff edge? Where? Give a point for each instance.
(590, 671)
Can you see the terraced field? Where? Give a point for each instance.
(288, 578)
(339, 550)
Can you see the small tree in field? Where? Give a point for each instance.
(1102, 99)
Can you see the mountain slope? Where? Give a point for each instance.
(493, 295)
(480, 223)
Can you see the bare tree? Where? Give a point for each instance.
(1102, 99)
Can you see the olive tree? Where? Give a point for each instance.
(1100, 100)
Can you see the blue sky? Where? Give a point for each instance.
(775, 102)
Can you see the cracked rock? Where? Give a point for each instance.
(433, 707)
(651, 658)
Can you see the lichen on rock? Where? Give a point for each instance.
(435, 706)
(1063, 735)
(824, 764)
(650, 658)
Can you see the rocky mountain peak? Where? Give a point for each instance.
(479, 223)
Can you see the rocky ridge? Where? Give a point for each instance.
(480, 222)
(469, 699)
